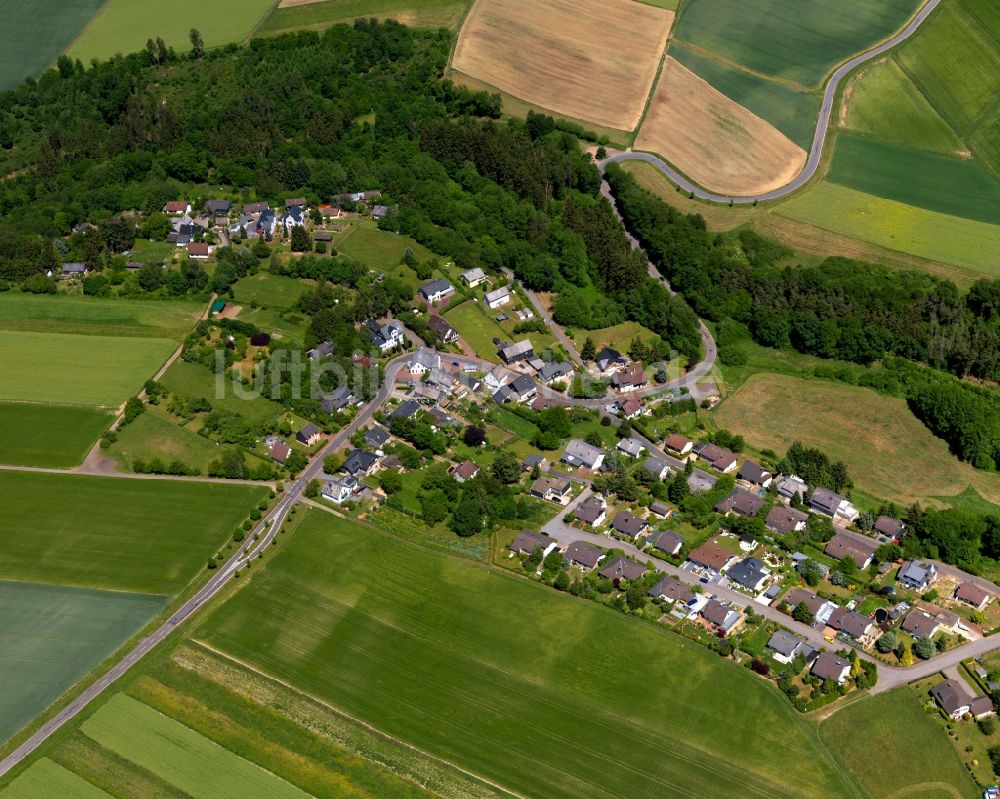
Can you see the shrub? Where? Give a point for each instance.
(260, 339)
(760, 667)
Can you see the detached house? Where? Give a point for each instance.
(591, 511)
(679, 444)
(821, 609)
(672, 590)
(785, 520)
(630, 447)
(919, 624)
(657, 468)
(554, 371)
(750, 573)
(722, 617)
(498, 298)
(278, 450)
(422, 361)
(388, 336)
(73, 269)
(741, 502)
(788, 487)
(522, 389)
(436, 290)
(360, 463)
(309, 434)
(862, 550)
(527, 541)
(719, 458)
(892, 529)
(218, 207)
(512, 353)
(667, 542)
(784, 646)
(177, 208)
(753, 474)
(629, 379)
(917, 575)
(711, 557)
(443, 328)
(580, 453)
(609, 359)
(829, 666)
(583, 555)
(197, 250)
(554, 489)
(952, 698)
(852, 624)
(972, 594)
(622, 569)
(473, 277)
(465, 471)
(629, 524)
(339, 489)
(831, 504)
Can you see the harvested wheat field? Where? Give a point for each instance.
(592, 60)
(715, 141)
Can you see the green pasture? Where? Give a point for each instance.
(64, 313)
(953, 186)
(53, 636)
(58, 436)
(898, 226)
(472, 323)
(35, 32)
(286, 326)
(378, 249)
(123, 26)
(119, 533)
(885, 104)
(414, 13)
(183, 758)
(792, 112)
(894, 749)
(45, 779)
(269, 291)
(794, 40)
(77, 370)
(194, 380)
(536, 691)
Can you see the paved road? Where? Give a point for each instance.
(819, 137)
(556, 330)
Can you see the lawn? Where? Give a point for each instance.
(35, 32)
(378, 249)
(48, 435)
(269, 291)
(123, 26)
(510, 422)
(45, 779)
(53, 636)
(796, 40)
(618, 337)
(792, 112)
(77, 370)
(438, 536)
(287, 327)
(478, 329)
(97, 317)
(413, 13)
(897, 226)
(423, 648)
(117, 533)
(954, 186)
(888, 452)
(894, 749)
(194, 380)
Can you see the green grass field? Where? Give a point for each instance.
(885, 104)
(895, 750)
(900, 458)
(53, 636)
(45, 779)
(414, 13)
(543, 694)
(618, 337)
(97, 317)
(123, 26)
(59, 436)
(117, 533)
(180, 756)
(792, 112)
(953, 186)
(77, 370)
(194, 380)
(795, 40)
(269, 291)
(287, 327)
(898, 226)
(378, 249)
(477, 328)
(35, 32)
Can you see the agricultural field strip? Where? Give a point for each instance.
(47, 780)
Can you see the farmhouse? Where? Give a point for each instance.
(717, 457)
(679, 444)
(741, 502)
(711, 557)
(622, 569)
(388, 336)
(628, 523)
(466, 470)
(972, 594)
(916, 575)
(360, 463)
(829, 666)
(309, 434)
(672, 589)
(554, 489)
(629, 379)
(498, 298)
(862, 550)
(512, 353)
(667, 542)
(580, 453)
(919, 624)
(784, 646)
(749, 573)
(473, 277)
(583, 555)
(785, 520)
(753, 474)
(722, 617)
(444, 330)
(591, 511)
(436, 290)
(828, 503)
(528, 541)
(339, 489)
(630, 447)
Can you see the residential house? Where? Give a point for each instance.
(699, 482)
(917, 575)
(441, 379)
(360, 463)
(753, 474)
(820, 608)
(293, 218)
(295, 202)
(376, 436)
(629, 524)
(392, 462)
(583, 555)
(388, 336)
(527, 541)
(73, 269)
(667, 542)
(266, 223)
(498, 298)
(177, 208)
(678, 444)
(661, 509)
(278, 450)
(473, 277)
(437, 290)
(444, 419)
(631, 447)
(309, 434)
(831, 504)
(722, 617)
(784, 646)
(719, 458)
(591, 511)
(629, 408)
(320, 351)
(495, 378)
(554, 371)
(197, 250)
(861, 549)
(255, 208)
(554, 489)
(521, 389)
(672, 590)
(218, 207)
(580, 453)
(893, 529)
(656, 468)
(467, 383)
(750, 573)
(919, 624)
(629, 379)
(338, 399)
(512, 353)
(608, 359)
(405, 410)
(533, 460)
(952, 698)
(422, 361)
(339, 489)
(852, 624)
(981, 707)
(711, 557)
(972, 594)
(466, 470)
(785, 520)
(829, 666)
(741, 502)
(622, 569)
(788, 487)
(443, 328)
(380, 211)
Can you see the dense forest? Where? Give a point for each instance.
(357, 108)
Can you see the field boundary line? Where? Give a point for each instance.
(192, 640)
(85, 28)
(263, 18)
(656, 79)
(458, 32)
(735, 65)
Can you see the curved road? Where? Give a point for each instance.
(819, 137)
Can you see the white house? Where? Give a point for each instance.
(339, 489)
(473, 277)
(436, 290)
(497, 299)
(423, 360)
(388, 336)
(580, 453)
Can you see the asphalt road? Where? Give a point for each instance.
(819, 137)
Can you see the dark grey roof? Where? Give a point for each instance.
(951, 695)
(359, 461)
(673, 589)
(888, 526)
(784, 643)
(376, 436)
(307, 431)
(406, 409)
(435, 287)
(829, 666)
(623, 568)
(668, 541)
(784, 520)
(748, 573)
(584, 554)
(589, 510)
(753, 473)
(527, 541)
(741, 501)
(825, 500)
(854, 624)
(628, 523)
